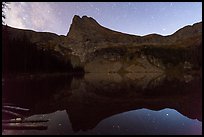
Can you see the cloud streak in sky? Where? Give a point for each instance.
(13, 16)
(32, 15)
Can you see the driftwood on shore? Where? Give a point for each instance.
(12, 113)
(23, 121)
(17, 126)
(15, 108)
(19, 122)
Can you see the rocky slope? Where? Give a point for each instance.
(94, 48)
(113, 51)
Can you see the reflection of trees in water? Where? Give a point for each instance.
(146, 80)
(28, 89)
(98, 96)
(117, 86)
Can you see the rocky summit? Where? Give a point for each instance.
(94, 48)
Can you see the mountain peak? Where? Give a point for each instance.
(76, 18)
(88, 29)
(82, 26)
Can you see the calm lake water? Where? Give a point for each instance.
(96, 103)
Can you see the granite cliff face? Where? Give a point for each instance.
(94, 48)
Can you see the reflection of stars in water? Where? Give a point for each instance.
(153, 120)
(116, 126)
(183, 124)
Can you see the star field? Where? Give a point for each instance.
(138, 18)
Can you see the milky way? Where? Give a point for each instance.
(138, 18)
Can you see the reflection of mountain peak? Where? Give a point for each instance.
(86, 116)
(88, 104)
(101, 97)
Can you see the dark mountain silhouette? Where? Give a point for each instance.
(91, 47)
(86, 28)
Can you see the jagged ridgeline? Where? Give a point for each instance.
(91, 47)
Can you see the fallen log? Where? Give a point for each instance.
(11, 126)
(16, 108)
(19, 120)
(12, 113)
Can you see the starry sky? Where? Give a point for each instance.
(137, 18)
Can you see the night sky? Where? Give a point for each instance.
(138, 18)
